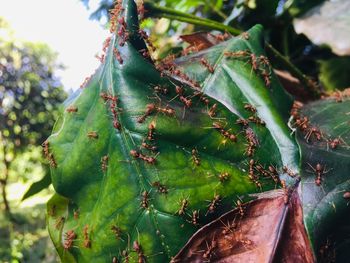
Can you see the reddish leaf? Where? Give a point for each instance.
(266, 230)
(200, 40)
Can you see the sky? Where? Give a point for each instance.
(65, 26)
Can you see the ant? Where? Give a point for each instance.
(87, 241)
(118, 56)
(117, 231)
(213, 204)
(195, 217)
(224, 176)
(161, 90)
(144, 201)
(206, 64)
(147, 159)
(288, 171)
(59, 222)
(242, 122)
(151, 129)
(69, 237)
(286, 191)
(147, 146)
(232, 137)
(240, 207)
(72, 109)
(104, 163)
(250, 108)
(207, 255)
(212, 110)
(228, 228)
(46, 150)
(317, 133)
(185, 101)
(319, 170)
(92, 135)
(195, 157)
(257, 120)
(183, 206)
(160, 187)
(137, 247)
(150, 108)
(334, 143)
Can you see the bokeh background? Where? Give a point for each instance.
(48, 47)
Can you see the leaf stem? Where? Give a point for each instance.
(154, 10)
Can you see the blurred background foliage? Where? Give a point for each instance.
(30, 94)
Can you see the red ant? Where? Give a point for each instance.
(117, 231)
(207, 255)
(92, 135)
(184, 205)
(118, 56)
(250, 108)
(104, 163)
(334, 143)
(46, 150)
(257, 120)
(212, 110)
(144, 201)
(69, 237)
(213, 204)
(232, 137)
(286, 192)
(242, 122)
(206, 64)
(222, 37)
(160, 187)
(195, 217)
(72, 109)
(76, 214)
(150, 133)
(161, 90)
(147, 159)
(59, 221)
(319, 170)
(240, 207)
(228, 229)
(252, 175)
(224, 177)
(245, 35)
(185, 101)
(317, 133)
(288, 171)
(87, 241)
(137, 247)
(150, 108)
(240, 53)
(147, 146)
(195, 157)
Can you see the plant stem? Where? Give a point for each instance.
(164, 12)
(305, 80)
(160, 11)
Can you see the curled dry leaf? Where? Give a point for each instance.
(327, 23)
(263, 230)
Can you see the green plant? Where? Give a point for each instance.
(145, 148)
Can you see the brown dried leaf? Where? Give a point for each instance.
(268, 231)
(201, 40)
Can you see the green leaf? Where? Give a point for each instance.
(326, 211)
(334, 73)
(102, 199)
(38, 186)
